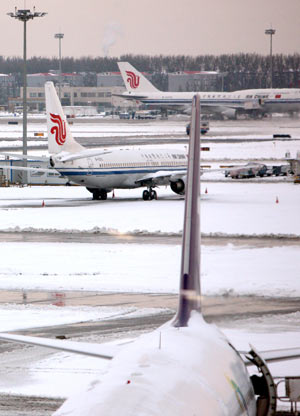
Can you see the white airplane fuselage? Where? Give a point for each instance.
(266, 100)
(121, 168)
(191, 371)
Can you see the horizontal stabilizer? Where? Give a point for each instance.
(82, 155)
(33, 169)
(272, 356)
(28, 157)
(83, 348)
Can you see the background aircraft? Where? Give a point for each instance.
(230, 104)
(185, 367)
(102, 170)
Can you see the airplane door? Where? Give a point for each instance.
(90, 166)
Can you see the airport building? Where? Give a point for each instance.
(10, 176)
(100, 97)
(110, 79)
(196, 81)
(38, 80)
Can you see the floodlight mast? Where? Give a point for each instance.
(25, 15)
(271, 32)
(59, 36)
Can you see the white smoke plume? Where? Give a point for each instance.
(112, 31)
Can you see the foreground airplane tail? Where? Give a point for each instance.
(59, 134)
(190, 294)
(135, 81)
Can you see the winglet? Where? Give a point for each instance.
(189, 291)
(135, 81)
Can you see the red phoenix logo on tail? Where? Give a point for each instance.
(59, 129)
(134, 80)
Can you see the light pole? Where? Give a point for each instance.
(24, 16)
(59, 36)
(271, 32)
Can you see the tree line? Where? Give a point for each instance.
(241, 71)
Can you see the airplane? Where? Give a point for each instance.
(256, 102)
(103, 170)
(186, 367)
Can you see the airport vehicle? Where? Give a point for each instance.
(185, 367)
(255, 102)
(252, 169)
(204, 127)
(124, 116)
(249, 170)
(144, 115)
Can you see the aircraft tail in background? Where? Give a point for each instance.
(135, 81)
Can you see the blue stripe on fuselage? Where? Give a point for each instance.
(92, 171)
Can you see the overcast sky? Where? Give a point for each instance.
(116, 27)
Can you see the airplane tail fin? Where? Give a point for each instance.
(135, 81)
(59, 134)
(190, 292)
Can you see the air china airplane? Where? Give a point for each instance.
(229, 104)
(185, 367)
(102, 170)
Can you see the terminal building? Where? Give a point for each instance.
(100, 97)
(103, 86)
(196, 81)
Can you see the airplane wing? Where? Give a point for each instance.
(164, 177)
(161, 177)
(93, 350)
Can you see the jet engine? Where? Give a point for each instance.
(178, 185)
(229, 113)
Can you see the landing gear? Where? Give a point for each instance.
(146, 195)
(98, 193)
(153, 194)
(149, 194)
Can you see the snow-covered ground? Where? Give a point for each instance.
(228, 209)
(233, 208)
(233, 270)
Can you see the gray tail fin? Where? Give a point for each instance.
(189, 291)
